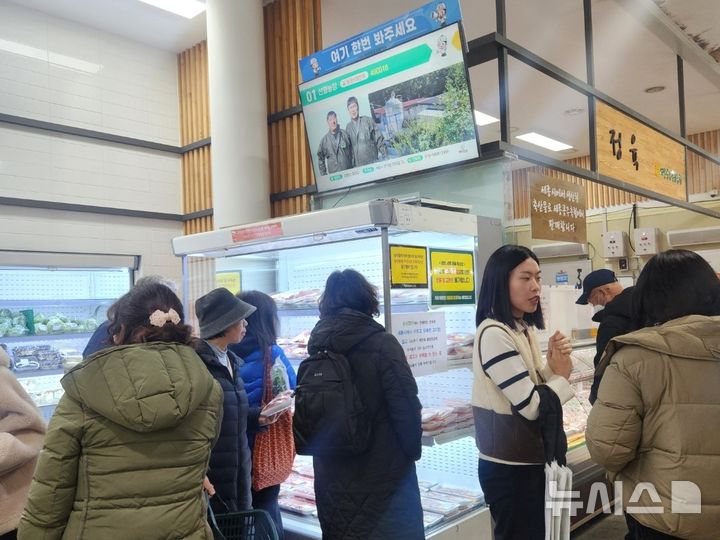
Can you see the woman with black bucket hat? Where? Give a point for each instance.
(222, 322)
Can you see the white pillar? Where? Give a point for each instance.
(238, 112)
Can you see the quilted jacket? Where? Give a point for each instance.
(127, 449)
(656, 421)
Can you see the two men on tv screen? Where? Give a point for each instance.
(358, 144)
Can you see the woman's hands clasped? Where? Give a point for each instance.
(558, 355)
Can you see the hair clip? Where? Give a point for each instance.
(159, 318)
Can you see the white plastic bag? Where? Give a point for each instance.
(558, 501)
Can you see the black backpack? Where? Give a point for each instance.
(329, 419)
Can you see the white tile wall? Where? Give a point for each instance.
(59, 71)
(35, 165)
(58, 231)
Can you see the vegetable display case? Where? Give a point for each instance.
(47, 316)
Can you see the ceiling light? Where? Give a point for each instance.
(184, 8)
(46, 55)
(654, 89)
(482, 119)
(542, 140)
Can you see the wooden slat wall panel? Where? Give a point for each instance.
(292, 30)
(597, 195)
(195, 126)
(703, 175)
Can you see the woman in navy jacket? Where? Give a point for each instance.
(261, 335)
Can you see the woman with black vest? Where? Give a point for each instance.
(510, 380)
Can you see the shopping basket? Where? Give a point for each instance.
(244, 525)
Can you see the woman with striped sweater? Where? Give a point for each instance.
(508, 368)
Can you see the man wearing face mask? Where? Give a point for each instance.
(612, 305)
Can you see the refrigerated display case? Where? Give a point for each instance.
(290, 258)
(47, 316)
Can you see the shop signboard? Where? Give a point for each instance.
(630, 151)
(424, 340)
(257, 232)
(408, 267)
(406, 27)
(557, 209)
(452, 278)
(228, 280)
(403, 110)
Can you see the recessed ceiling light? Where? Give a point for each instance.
(482, 119)
(654, 89)
(574, 111)
(184, 8)
(542, 140)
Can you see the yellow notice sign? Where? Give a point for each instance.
(228, 280)
(452, 277)
(408, 267)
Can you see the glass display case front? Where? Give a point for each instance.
(47, 316)
(409, 258)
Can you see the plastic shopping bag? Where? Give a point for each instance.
(279, 377)
(558, 501)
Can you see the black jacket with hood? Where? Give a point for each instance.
(614, 321)
(375, 494)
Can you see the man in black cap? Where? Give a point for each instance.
(222, 322)
(612, 304)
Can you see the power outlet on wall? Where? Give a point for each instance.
(623, 264)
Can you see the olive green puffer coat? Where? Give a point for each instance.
(127, 449)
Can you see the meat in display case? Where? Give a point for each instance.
(420, 259)
(425, 262)
(47, 316)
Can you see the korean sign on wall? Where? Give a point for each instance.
(408, 267)
(423, 337)
(413, 24)
(452, 277)
(637, 154)
(557, 209)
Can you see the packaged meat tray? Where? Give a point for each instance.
(297, 505)
(431, 518)
(446, 508)
(474, 495)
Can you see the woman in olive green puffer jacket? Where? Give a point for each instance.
(129, 444)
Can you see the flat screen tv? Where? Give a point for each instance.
(404, 110)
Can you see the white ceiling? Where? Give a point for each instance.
(127, 18)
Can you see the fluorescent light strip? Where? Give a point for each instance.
(48, 56)
(482, 119)
(184, 8)
(543, 141)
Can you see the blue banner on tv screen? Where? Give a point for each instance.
(411, 25)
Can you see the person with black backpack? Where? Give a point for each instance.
(365, 480)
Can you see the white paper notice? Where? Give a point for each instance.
(423, 337)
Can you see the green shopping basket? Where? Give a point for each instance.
(244, 525)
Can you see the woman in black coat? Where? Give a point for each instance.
(374, 494)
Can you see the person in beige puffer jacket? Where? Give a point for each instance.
(654, 425)
(22, 429)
